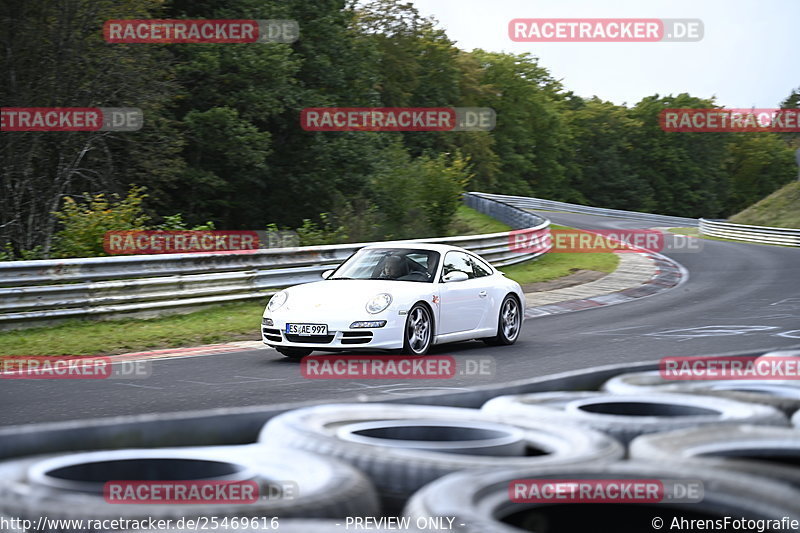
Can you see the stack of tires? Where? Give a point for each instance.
(450, 469)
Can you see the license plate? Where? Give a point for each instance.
(307, 329)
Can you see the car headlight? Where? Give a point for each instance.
(277, 300)
(379, 302)
(368, 324)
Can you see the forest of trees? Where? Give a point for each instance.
(222, 141)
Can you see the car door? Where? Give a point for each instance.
(489, 293)
(462, 302)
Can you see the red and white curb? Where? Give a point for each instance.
(665, 274)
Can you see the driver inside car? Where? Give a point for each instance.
(393, 267)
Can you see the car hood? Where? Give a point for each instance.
(343, 295)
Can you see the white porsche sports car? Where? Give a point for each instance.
(406, 296)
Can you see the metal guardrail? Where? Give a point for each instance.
(551, 205)
(35, 293)
(743, 232)
(713, 228)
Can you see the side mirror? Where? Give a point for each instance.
(455, 275)
(327, 274)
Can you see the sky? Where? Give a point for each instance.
(749, 56)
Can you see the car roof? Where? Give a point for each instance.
(411, 245)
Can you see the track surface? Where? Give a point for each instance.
(738, 297)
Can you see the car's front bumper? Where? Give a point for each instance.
(340, 335)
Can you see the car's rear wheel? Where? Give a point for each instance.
(418, 333)
(293, 353)
(509, 323)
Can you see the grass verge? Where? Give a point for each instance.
(225, 323)
(554, 266)
(695, 232)
(557, 265)
(780, 209)
(467, 221)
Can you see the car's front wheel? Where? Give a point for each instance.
(293, 353)
(418, 333)
(509, 323)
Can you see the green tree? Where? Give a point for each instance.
(54, 55)
(603, 147)
(85, 224)
(685, 171)
(531, 139)
(792, 102)
(418, 196)
(757, 165)
(443, 179)
(226, 159)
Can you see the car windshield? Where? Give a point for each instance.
(398, 264)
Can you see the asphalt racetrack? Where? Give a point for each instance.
(738, 297)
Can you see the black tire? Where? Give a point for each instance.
(418, 331)
(781, 353)
(293, 353)
(398, 470)
(480, 499)
(326, 488)
(628, 416)
(509, 323)
(772, 452)
(783, 395)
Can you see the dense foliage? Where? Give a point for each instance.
(222, 140)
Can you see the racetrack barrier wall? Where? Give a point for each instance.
(524, 202)
(743, 232)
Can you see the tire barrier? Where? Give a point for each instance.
(375, 438)
(782, 353)
(240, 425)
(772, 452)
(794, 354)
(403, 447)
(627, 416)
(74, 485)
(796, 419)
(783, 395)
(481, 499)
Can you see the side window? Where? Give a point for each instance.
(420, 259)
(480, 268)
(458, 261)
